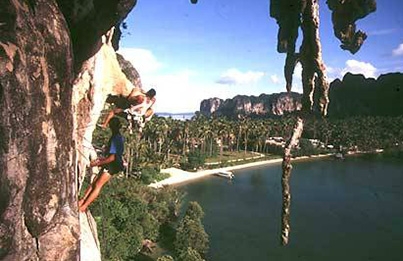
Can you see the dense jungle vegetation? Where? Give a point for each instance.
(136, 222)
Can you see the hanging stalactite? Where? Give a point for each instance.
(285, 180)
(290, 16)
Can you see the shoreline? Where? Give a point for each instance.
(178, 176)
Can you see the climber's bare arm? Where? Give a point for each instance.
(102, 161)
(110, 116)
(149, 114)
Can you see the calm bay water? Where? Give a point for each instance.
(340, 210)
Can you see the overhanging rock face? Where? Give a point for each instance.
(42, 48)
(99, 76)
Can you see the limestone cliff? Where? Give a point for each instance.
(353, 95)
(344, 16)
(37, 184)
(356, 95)
(99, 76)
(263, 105)
(131, 73)
(55, 72)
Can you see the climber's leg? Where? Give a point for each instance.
(110, 115)
(93, 190)
(87, 192)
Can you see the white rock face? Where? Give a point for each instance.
(100, 76)
(89, 243)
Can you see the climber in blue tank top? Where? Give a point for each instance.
(116, 147)
(110, 165)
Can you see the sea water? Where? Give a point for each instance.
(348, 209)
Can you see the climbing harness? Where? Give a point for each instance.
(134, 119)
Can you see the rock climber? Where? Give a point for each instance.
(110, 165)
(137, 106)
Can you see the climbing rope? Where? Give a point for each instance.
(93, 232)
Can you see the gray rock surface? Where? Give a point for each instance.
(43, 46)
(263, 105)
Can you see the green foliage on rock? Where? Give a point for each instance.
(128, 212)
(165, 258)
(190, 255)
(194, 211)
(190, 232)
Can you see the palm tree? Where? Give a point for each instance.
(239, 134)
(185, 137)
(223, 133)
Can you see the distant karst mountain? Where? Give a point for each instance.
(262, 105)
(354, 95)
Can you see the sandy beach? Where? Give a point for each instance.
(178, 176)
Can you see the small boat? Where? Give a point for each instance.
(339, 155)
(225, 174)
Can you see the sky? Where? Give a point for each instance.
(223, 48)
